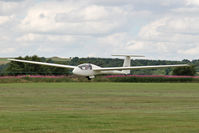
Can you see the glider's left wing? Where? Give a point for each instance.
(138, 67)
(43, 63)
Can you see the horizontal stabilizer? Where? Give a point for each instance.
(128, 55)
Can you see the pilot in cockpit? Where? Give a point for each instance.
(85, 67)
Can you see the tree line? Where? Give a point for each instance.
(17, 68)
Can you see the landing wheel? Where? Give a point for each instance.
(88, 78)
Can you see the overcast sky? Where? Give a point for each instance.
(158, 29)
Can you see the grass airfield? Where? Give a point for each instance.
(99, 108)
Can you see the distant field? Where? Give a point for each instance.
(99, 107)
(56, 59)
(3, 61)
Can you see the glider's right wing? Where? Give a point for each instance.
(43, 63)
(138, 67)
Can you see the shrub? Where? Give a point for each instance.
(189, 71)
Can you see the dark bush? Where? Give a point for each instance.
(188, 71)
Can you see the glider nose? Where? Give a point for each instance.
(75, 71)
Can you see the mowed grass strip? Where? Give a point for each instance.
(99, 108)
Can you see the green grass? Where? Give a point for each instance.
(99, 108)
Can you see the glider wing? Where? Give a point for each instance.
(43, 63)
(138, 67)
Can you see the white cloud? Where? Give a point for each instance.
(190, 51)
(114, 39)
(7, 7)
(72, 19)
(186, 11)
(31, 37)
(166, 29)
(192, 2)
(135, 45)
(168, 36)
(7, 50)
(44, 49)
(63, 38)
(172, 28)
(4, 38)
(5, 19)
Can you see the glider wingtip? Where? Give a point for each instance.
(10, 59)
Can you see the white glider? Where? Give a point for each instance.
(90, 70)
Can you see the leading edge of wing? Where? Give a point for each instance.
(138, 67)
(43, 63)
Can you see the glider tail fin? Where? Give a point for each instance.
(127, 61)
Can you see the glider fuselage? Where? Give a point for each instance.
(87, 70)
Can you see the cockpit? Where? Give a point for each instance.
(85, 67)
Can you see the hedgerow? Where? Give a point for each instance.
(27, 79)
